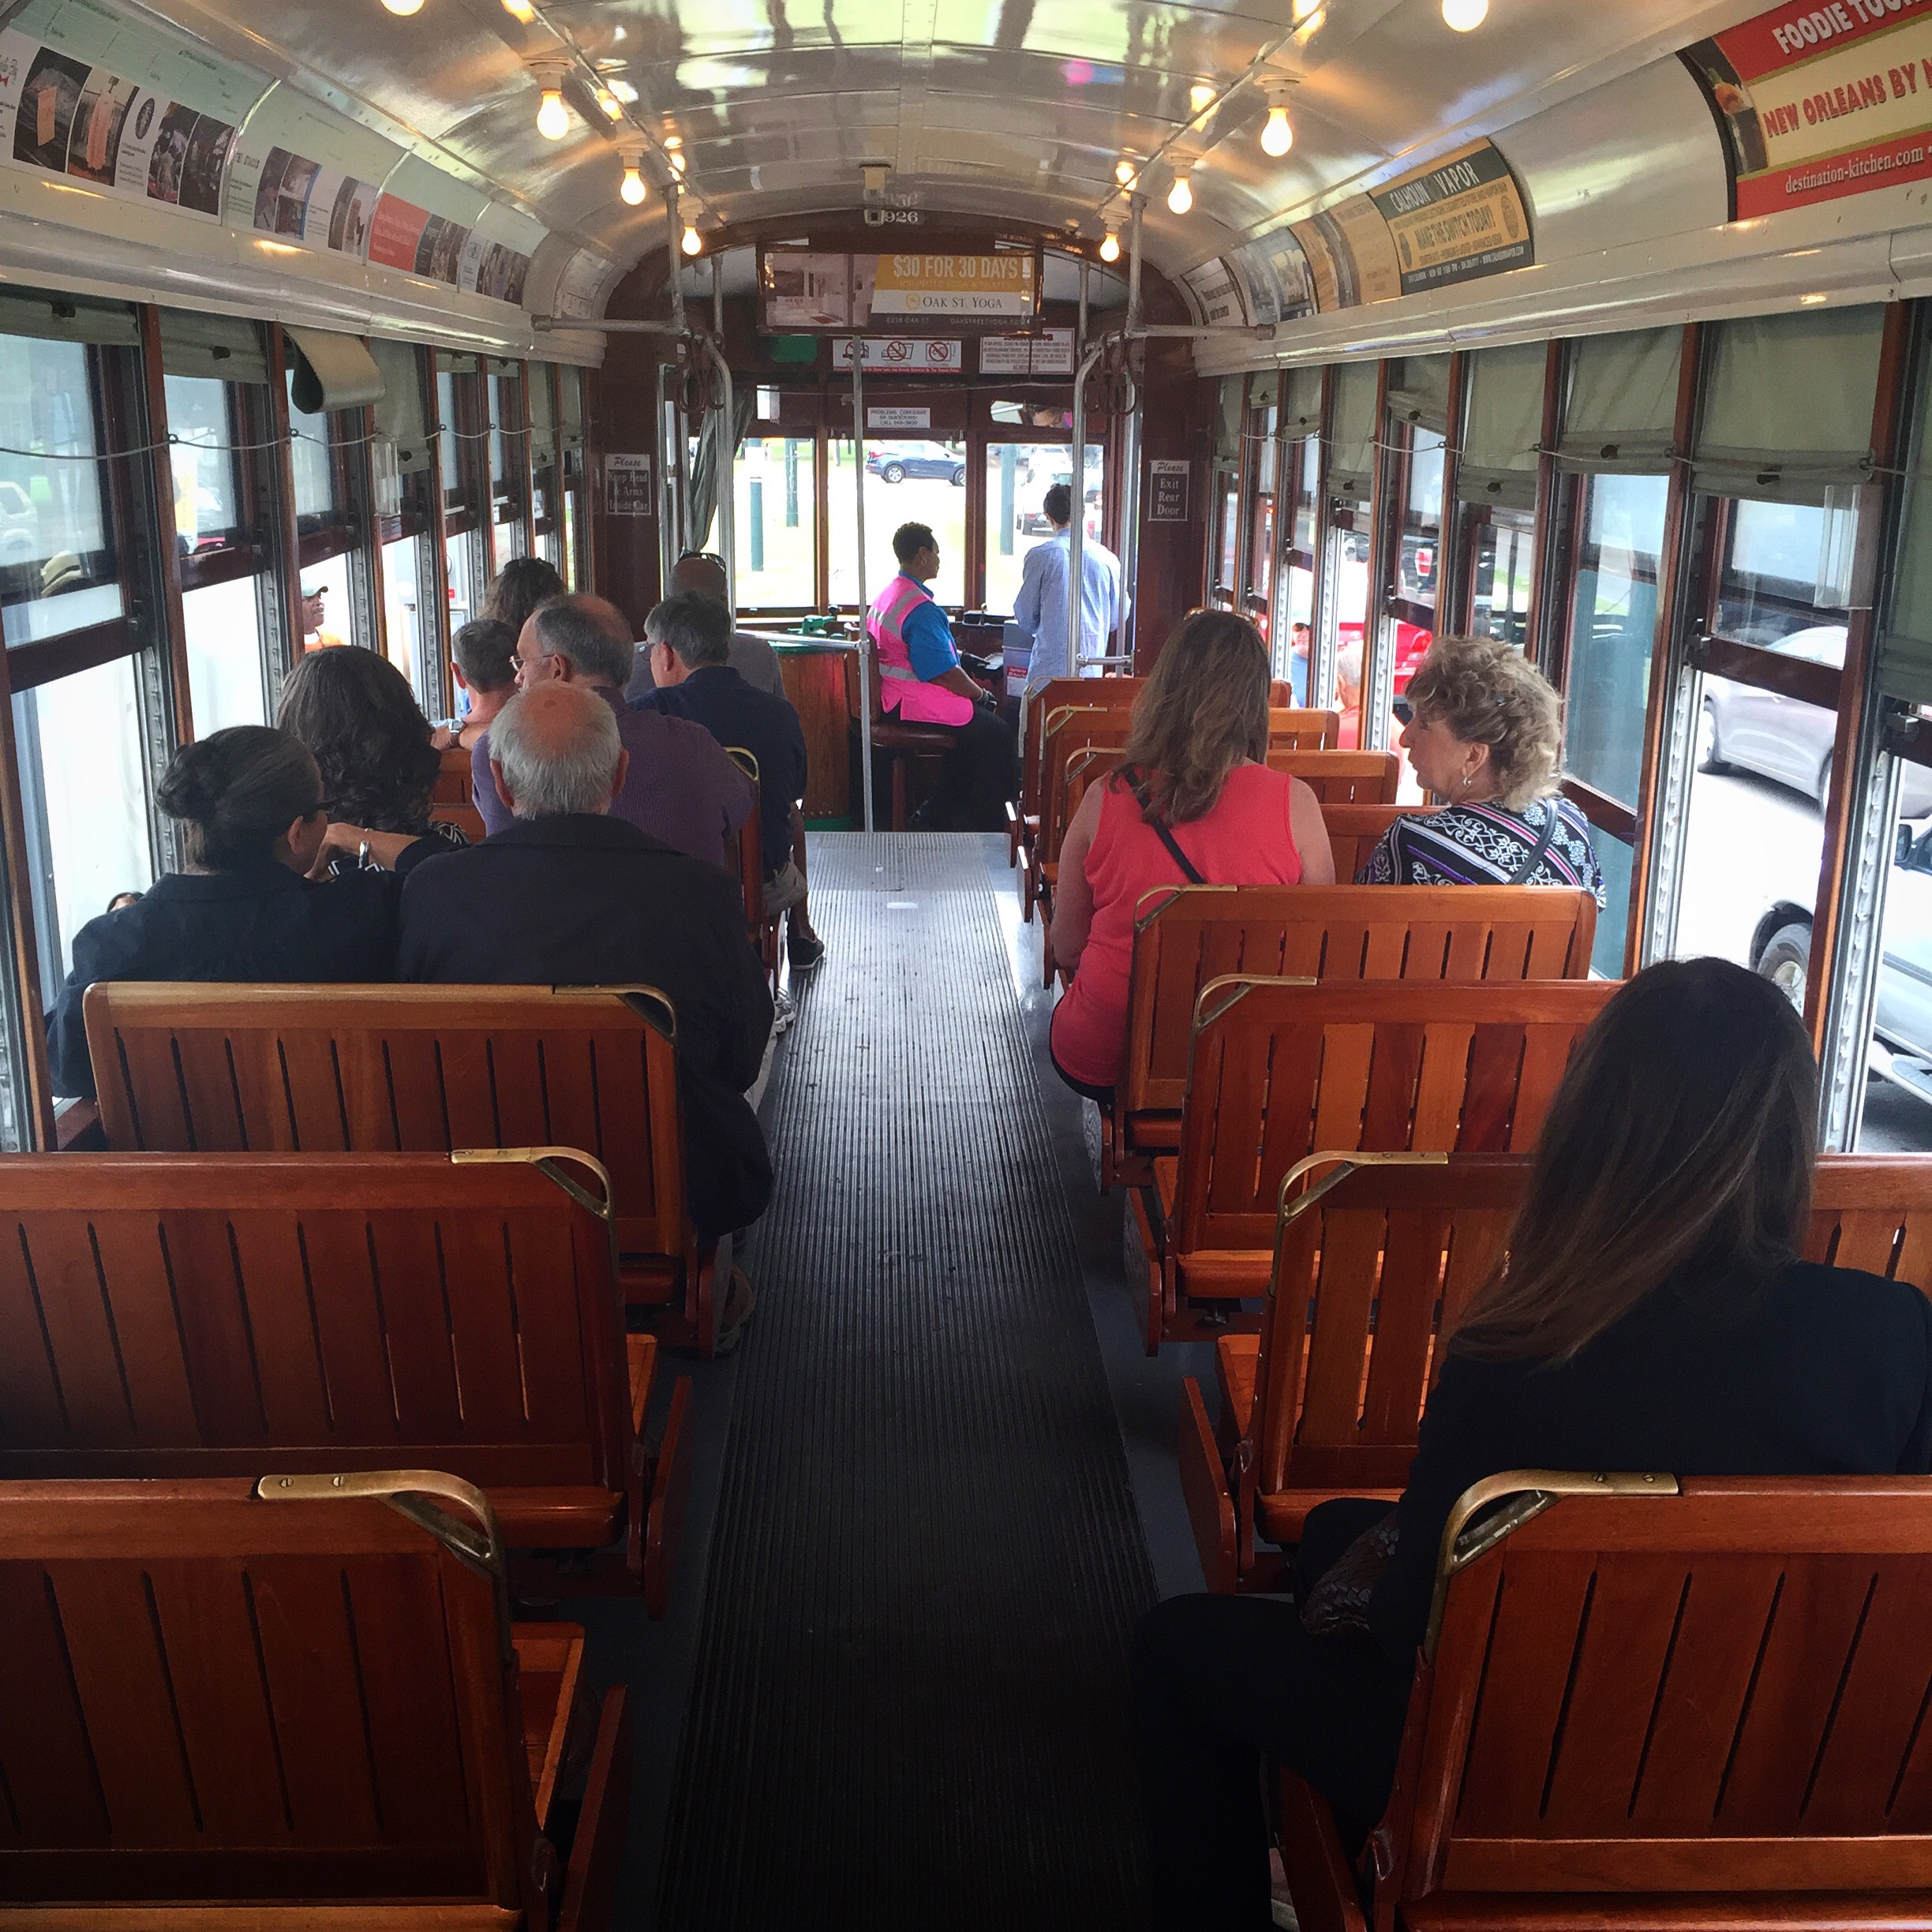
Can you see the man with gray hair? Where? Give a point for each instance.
(679, 786)
(567, 893)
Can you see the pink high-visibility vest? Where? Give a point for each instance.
(901, 689)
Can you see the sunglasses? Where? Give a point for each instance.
(1404, 710)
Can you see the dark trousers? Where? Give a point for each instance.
(977, 778)
(1221, 1683)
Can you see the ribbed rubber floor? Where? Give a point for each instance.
(909, 1707)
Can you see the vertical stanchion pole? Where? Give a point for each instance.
(865, 656)
(1077, 527)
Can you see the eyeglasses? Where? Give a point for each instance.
(701, 556)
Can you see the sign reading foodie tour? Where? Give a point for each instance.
(987, 286)
(1821, 102)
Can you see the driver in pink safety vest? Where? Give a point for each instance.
(921, 681)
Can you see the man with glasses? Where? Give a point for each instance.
(679, 786)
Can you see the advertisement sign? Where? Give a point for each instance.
(1457, 221)
(1167, 490)
(1819, 101)
(627, 485)
(924, 355)
(984, 285)
(805, 290)
(1050, 352)
(123, 107)
(1214, 288)
(1275, 274)
(1350, 256)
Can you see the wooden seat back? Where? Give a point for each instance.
(217, 1706)
(1340, 777)
(1354, 831)
(1663, 1704)
(183, 1067)
(452, 802)
(1187, 936)
(1282, 1068)
(751, 844)
(1371, 1274)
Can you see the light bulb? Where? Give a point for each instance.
(1201, 96)
(404, 8)
(1464, 16)
(610, 103)
(1181, 195)
(520, 10)
(676, 160)
(693, 242)
(1109, 248)
(1124, 173)
(1277, 135)
(553, 116)
(633, 189)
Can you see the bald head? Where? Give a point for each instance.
(605, 614)
(703, 575)
(555, 748)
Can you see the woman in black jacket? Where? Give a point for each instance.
(249, 802)
(1650, 1313)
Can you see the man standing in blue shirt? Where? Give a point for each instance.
(1040, 609)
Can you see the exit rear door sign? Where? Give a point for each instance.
(1167, 490)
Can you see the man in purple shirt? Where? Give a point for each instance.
(680, 787)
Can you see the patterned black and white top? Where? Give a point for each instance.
(1483, 845)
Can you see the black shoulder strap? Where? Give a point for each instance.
(1188, 871)
(1526, 870)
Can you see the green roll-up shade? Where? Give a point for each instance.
(1228, 416)
(1301, 397)
(69, 318)
(1788, 404)
(1351, 453)
(570, 386)
(543, 417)
(1622, 416)
(225, 347)
(331, 371)
(1504, 425)
(399, 416)
(1419, 392)
(1264, 390)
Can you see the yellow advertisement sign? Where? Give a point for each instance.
(953, 285)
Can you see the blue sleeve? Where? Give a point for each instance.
(929, 642)
(490, 807)
(1026, 604)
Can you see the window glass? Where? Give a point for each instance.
(85, 791)
(1775, 560)
(328, 617)
(401, 595)
(776, 529)
(449, 443)
(312, 458)
(1017, 479)
(507, 451)
(574, 575)
(1898, 1101)
(223, 627)
(56, 564)
(1227, 531)
(1613, 628)
(1348, 560)
(1293, 609)
(1421, 541)
(207, 507)
(462, 555)
(1505, 545)
(1309, 463)
(907, 480)
(1618, 861)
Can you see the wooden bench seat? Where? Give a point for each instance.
(184, 1069)
(453, 802)
(195, 1314)
(1372, 1270)
(1280, 1067)
(1354, 831)
(1689, 1706)
(286, 1706)
(1186, 937)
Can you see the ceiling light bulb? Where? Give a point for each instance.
(610, 103)
(1277, 137)
(553, 116)
(1465, 16)
(633, 189)
(694, 242)
(520, 10)
(1181, 195)
(1109, 248)
(1201, 96)
(1124, 173)
(404, 8)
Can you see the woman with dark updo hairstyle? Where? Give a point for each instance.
(248, 804)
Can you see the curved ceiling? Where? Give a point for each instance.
(1020, 107)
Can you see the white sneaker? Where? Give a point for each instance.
(785, 1010)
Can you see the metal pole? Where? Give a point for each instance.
(1077, 527)
(1079, 334)
(1130, 524)
(677, 433)
(727, 476)
(1134, 203)
(865, 653)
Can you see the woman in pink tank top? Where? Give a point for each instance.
(1192, 801)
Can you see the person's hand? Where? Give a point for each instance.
(443, 738)
(337, 840)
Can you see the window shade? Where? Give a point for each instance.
(570, 382)
(1351, 454)
(1905, 644)
(1228, 416)
(68, 318)
(399, 416)
(224, 347)
(331, 371)
(1300, 407)
(543, 418)
(1264, 390)
(1788, 399)
(1419, 392)
(1623, 412)
(1504, 425)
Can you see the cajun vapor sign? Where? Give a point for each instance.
(1820, 102)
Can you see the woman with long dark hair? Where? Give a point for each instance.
(1192, 801)
(1650, 1312)
(520, 586)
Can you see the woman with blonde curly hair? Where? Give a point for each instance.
(1484, 730)
(1192, 801)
